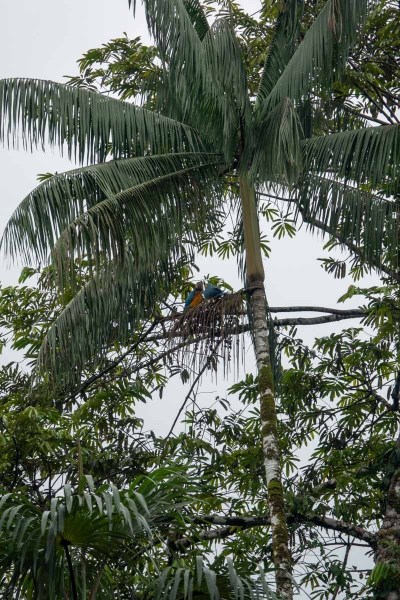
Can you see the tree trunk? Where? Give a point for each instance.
(269, 421)
(386, 574)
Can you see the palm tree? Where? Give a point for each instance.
(164, 173)
(69, 546)
(98, 542)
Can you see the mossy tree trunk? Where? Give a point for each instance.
(386, 574)
(269, 421)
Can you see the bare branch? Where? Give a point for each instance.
(314, 320)
(192, 387)
(305, 519)
(336, 525)
(381, 400)
(353, 312)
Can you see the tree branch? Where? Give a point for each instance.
(229, 525)
(381, 400)
(315, 320)
(74, 589)
(334, 315)
(195, 382)
(353, 312)
(396, 393)
(336, 525)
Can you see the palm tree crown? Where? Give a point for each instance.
(163, 172)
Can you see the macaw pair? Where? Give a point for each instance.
(196, 295)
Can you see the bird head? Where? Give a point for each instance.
(199, 286)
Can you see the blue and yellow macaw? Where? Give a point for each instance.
(195, 296)
(212, 291)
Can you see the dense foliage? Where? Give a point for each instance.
(339, 411)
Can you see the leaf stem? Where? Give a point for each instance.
(74, 589)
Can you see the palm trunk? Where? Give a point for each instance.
(269, 421)
(386, 575)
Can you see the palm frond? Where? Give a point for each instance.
(197, 16)
(370, 156)
(278, 156)
(322, 55)
(95, 524)
(202, 582)
(170, 23)
(282, 46)
(224, 59)
(227, 73)
(165, 209)
(91, 125)
(353, 216)
(108, 309)
(194, 75)
(57, 202)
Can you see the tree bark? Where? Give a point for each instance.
(386, 574)
(269, 421)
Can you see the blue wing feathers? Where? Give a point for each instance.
(213, 291)
(190, 298)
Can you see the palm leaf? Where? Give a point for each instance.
(353, 216)
(170, 23)
(329, 198)
(106, 310)
(370, 156)
(224, 62)
(321, 56)
(202, 582)
(96, 524)
(165, 210)
(195, 91)
(282, 46)
(57, 202)
(197, 17)
(91, 125)
(278, 156)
